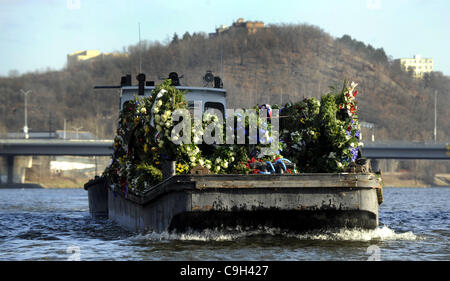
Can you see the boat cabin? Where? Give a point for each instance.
(210, 97)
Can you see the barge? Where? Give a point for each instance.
(295, 202)
(200, 200)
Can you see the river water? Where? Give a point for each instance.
(54, 224)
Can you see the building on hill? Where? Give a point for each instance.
(82, 56)
(417, 64)
(87, 55)
(250, 26)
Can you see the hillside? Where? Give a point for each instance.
(278, 64)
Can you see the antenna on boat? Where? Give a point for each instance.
(221, 55)
(140, 48)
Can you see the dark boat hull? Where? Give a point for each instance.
(295, 202)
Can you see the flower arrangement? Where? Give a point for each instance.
(317, 135)
(322, 135)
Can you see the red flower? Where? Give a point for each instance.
(255, 171)
(288, 170)
(355, 93)
(123, 182)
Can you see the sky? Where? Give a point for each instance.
(38, 34)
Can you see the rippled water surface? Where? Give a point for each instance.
(54, 224)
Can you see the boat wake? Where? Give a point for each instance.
(382, 233)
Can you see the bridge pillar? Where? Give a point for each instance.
(375, 165)
(10, 168)
(15, 168)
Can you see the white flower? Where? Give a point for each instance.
(161, 93)
(225, 164)
(332, 155)
(218, 160)
(232, 159)
(143, 110)
(159, 103)
(192, 159)
(157, 118)
(208, 166)
(155, 109)
(339, 164)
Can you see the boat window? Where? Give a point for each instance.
(215, 105)
(125, 104)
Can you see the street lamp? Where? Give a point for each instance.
(76, 129)
(435, 115)
(25, 127)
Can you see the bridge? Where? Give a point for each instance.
(15, 166)
(10, 148)
(40, 147)
(406, 150)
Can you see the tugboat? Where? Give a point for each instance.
(201, 200)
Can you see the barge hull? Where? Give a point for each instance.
(286, 202)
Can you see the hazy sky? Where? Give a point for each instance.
(36, 34)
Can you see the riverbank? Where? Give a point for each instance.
(60, 182)
(398, 179)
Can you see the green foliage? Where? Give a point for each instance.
(322, 136)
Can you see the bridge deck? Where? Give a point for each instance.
(56, 147)
(377, 150)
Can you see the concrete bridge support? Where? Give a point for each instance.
(13, 168)
(375, 165)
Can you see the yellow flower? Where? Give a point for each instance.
(145, 148)
(146, 129)
(136, 120)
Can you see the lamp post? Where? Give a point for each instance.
(77, 129)
(435, 115)
(25, 127)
